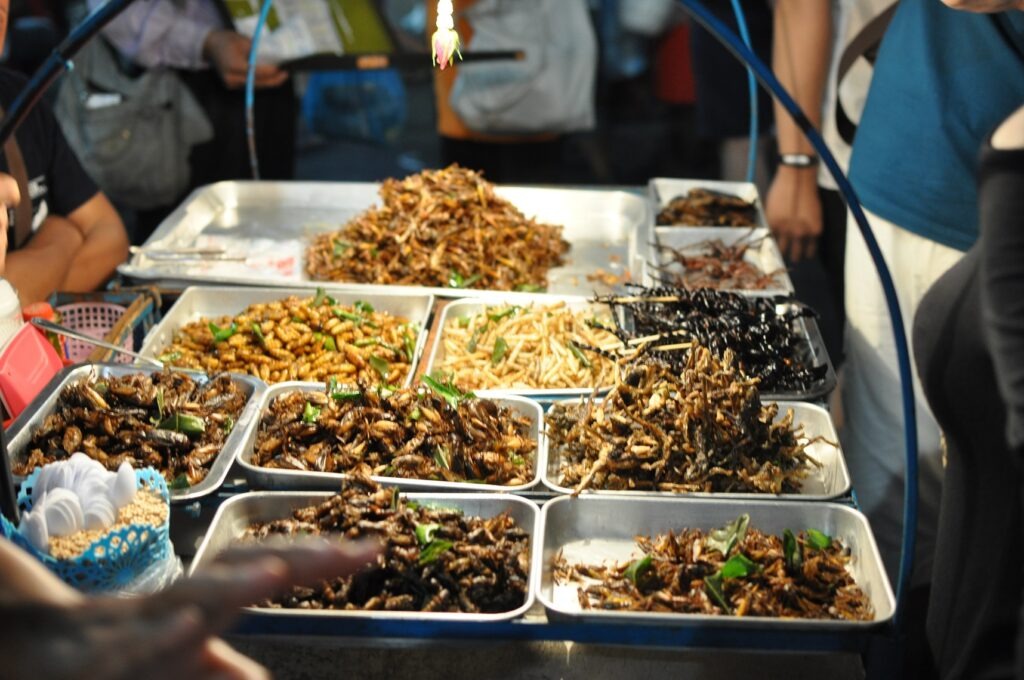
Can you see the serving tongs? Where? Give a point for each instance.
(186, 253)
(45, 325)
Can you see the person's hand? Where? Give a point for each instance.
(793, 210)
(228, 53)
(171, 634)
(9, 198)
(986, 6)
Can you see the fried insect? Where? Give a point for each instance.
(712, 264)
(435, 559)
(509, 346)
(411, 433)
(168, 420)
(701, 430)
(762, 332)
(295, 338)
(443, 228)
(707, 208)
(801, 576)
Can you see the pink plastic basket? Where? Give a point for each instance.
(95, 319)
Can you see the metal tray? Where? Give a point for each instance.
(212, 301)
(806, 328)
(267, 225)
(830, 480)
(595, 530)
(661, 190)
(20, 433)
(765, 255)
(273, 478)
(237, 513)
(474, 306)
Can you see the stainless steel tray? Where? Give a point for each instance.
(268, 225)
(595, 530)
(212, 301)
(19, 435)
(661, 190)
(765, 255)
(459, 308)
(273, 478)
(830, 480)
(238, 512)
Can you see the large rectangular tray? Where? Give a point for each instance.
(277, 219)
(765, 254)
(661, 190)
(19, 435)
(596, 530)
(273, 478)
(830, 480)
(213, 301)
(463, 307)
(238, 512)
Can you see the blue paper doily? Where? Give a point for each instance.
(113, 561)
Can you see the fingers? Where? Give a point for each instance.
(221, 661)
(810, 247)
(9, 197)
(244, 576)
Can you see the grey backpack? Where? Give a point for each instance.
(133, 135)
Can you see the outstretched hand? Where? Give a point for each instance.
(228, 53)
(793, 210)
(167, 635)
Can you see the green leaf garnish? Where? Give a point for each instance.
(500, 347)
(636, 569)
(450, 393)
(365, 342)
(530, 288)
(320, 296)
(381, 366)
(791, 549)
(341, 313)
(229, 424)
(340, 247)
(738, 566)
(508, 311)
(416, 414)
(714, 587)
(516, 459)
(310, 414)
(433, 550)
(394, 498)
(475, 338)
(818, 540)
(441, 458)
(580, 356)
(179, 482)
(728, 536)
(409, 345)
(184, 423)
(456, 280)
(463, 321)
(425, 532)
(258, 332)
(363, 307)
(169, 357)
(222, 334)
(329, 344)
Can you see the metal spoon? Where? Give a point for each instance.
(46, 325)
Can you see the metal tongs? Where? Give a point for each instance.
(45, 325)
(186, 253)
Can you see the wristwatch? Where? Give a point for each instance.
(798, 160)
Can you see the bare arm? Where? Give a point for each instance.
(105, 246)
(800, 59)
(76, 253)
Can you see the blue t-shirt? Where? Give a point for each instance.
(942, 82)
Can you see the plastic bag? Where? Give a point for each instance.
(551, 90)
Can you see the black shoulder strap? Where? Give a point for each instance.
(22, 227)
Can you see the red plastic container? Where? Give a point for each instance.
(27, 364)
